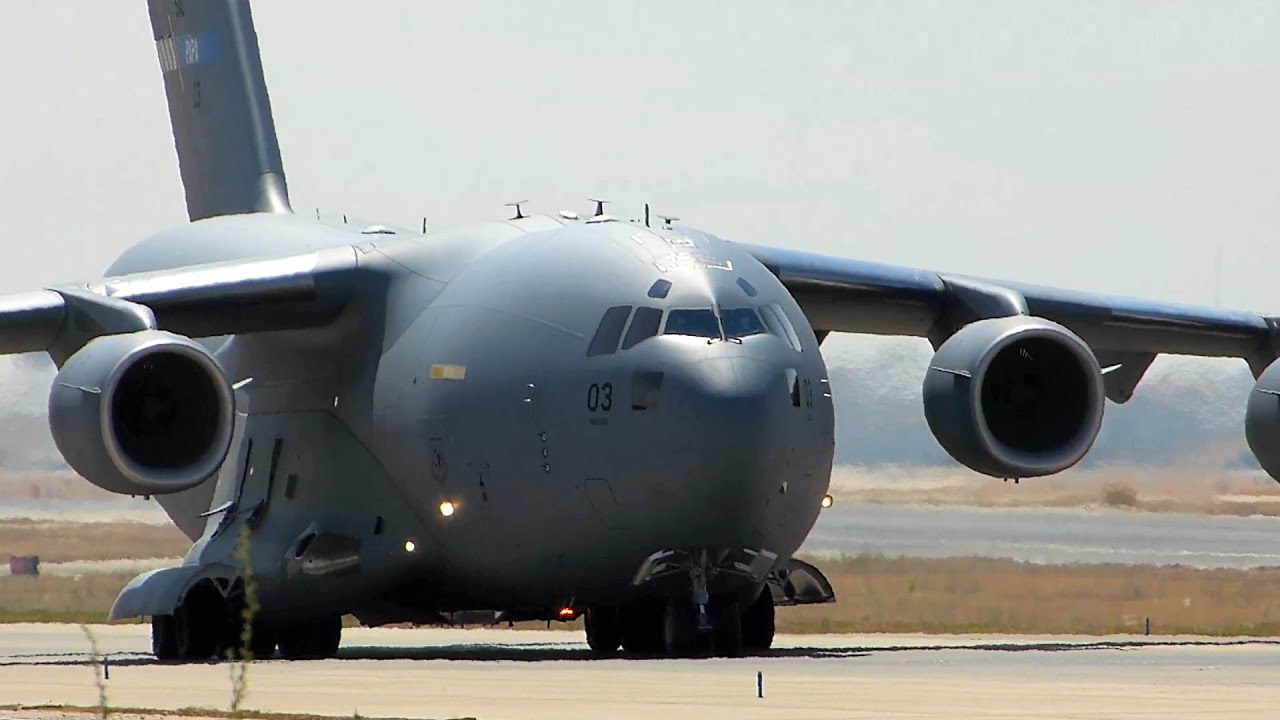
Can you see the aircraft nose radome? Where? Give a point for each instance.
(731, 397)
(727, 420)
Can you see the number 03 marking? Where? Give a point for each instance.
(600, 397)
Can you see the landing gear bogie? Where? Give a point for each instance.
(668, 629)
(207, 626)
(193, 632)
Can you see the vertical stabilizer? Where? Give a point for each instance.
(222, 127)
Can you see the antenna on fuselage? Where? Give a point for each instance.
(646, 214)
(667, 220)
(516, 205)
(599, 206)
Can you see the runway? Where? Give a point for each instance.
(534, 675)
(1048, 535)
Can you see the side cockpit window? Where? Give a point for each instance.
(778, 323)
(643, 326)
(609, 331)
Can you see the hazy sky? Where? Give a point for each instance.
(1105, 146)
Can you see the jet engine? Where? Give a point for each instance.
(1014, 397)
(143, 413)
(1262, 420)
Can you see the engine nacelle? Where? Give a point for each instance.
(1262, 420)
(1015, 397)
(144, 413)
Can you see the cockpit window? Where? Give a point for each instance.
(609, 331)
(780, 325)
(698, 323)
(746, 287)
(741, 322)
(643, 326)
(660, 288)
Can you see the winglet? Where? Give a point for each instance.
(218, 106)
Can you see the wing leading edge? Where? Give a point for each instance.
(843, 295)
(197, 301)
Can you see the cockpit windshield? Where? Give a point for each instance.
(698, 323)
(741, 322)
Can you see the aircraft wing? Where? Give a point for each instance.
(842, 295)
(197, 301)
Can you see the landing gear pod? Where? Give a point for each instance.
(143, 413)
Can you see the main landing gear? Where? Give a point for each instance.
(681, 628)
(207, 626)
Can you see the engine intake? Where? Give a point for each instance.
(1014, 397)
(144, 413)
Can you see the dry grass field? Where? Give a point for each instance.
(980, 595)
(40, 485)
(879, 594)
(60, 542)
(48, 598)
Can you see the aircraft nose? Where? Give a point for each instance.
(729, 395)
(726, 434)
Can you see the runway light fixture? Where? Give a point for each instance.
(567, 613)
(827, 501)
(410, 546)
(447, 508)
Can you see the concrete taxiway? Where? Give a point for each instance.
(531, 675)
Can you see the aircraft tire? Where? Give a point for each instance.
(758, 623)
(197, 624)
(604, 630)
(313, 640)
(680, 637)
(164, 639)
(195, 634)
(727, 621)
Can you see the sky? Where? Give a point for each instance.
(1129, 148)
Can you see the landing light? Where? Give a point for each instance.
(567, 613)
(447, 508)
(410, 546)
(827, 501)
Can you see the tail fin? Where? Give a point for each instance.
(222, 127)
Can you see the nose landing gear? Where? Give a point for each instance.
(690, 622)
(702, 625)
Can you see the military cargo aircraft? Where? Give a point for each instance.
(541, 418)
